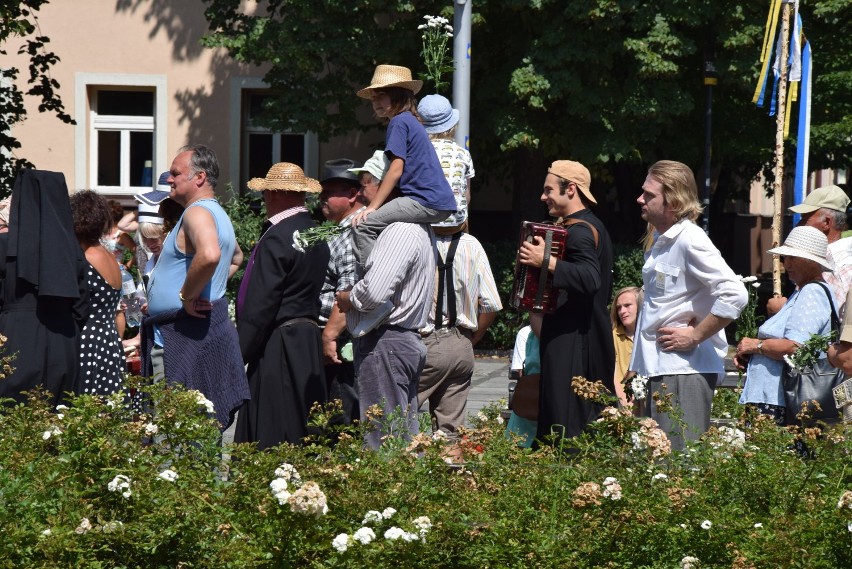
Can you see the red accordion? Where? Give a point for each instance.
(533, 289)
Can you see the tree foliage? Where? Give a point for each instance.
(19, 20)
(319, 53)
(612, 83)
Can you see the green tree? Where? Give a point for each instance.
(616, 84)
(319, 53)
(19, 20)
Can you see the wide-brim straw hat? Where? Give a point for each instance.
(808, 243)
(285, 177)
(390, 76)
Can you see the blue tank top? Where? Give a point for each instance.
(167, 280)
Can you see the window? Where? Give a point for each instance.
(122, 139)
(261, 148)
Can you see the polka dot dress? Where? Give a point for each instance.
(101, 356)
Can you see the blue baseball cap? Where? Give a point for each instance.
(154, 197)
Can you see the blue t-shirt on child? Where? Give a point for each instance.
(422, 177)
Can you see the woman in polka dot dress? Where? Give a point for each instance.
(101, 368)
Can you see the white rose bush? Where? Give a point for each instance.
(120, 487)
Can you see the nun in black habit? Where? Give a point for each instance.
(44, 298)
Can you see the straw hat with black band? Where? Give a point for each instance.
(390, 76)
(285, 177)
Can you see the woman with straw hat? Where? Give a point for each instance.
(277, 310)
(808, 311)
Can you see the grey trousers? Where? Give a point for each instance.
(406, 209)
(693, 394)
(388, 362)
(445, 381)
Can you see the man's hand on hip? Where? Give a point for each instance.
(672, 339)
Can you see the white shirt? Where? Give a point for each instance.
(519, 354)
(685, 279)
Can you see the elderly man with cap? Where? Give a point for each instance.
(576, 340)
(278, 305)
(825, 209)
(339, 201)
(691, 294)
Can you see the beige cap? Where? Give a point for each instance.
(574, 172)
(829, 197)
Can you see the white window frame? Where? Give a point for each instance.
(239, 86)
(85, 133)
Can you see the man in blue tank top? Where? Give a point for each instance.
(188, 334)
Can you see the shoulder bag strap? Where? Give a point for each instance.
(835, 321)
(595, 235)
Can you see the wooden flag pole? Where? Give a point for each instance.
(777, 186)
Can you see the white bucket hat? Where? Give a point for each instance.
(808, 243)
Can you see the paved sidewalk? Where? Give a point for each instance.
(490, 383)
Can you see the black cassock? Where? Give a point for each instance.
(44, 296)
(279, 338)
(577, 338)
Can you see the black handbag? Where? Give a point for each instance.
(815, 384)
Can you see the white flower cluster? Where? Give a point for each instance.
(730, 437)
(706, 524)
(650, 436)
(660, 476)
(285, 475)
(689, 562)
(639, 385)
(612, 489)
(120, 483)
(393, 533)
(51, 432)
(288, 472)
(202, 400)
(306, 499)
(309, 500)
(84, 527)
(845, 500)
(59, 411)
(747, 280)
(365, 534)
(437, 23)
(151, 429)
(169, 475)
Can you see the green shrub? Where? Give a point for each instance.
(247, 215)
(501, 334)
(95, 485)
(626, 266)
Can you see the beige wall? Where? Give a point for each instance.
(155, 38)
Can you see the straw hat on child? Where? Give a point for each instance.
(285, 177)
(390, 76)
